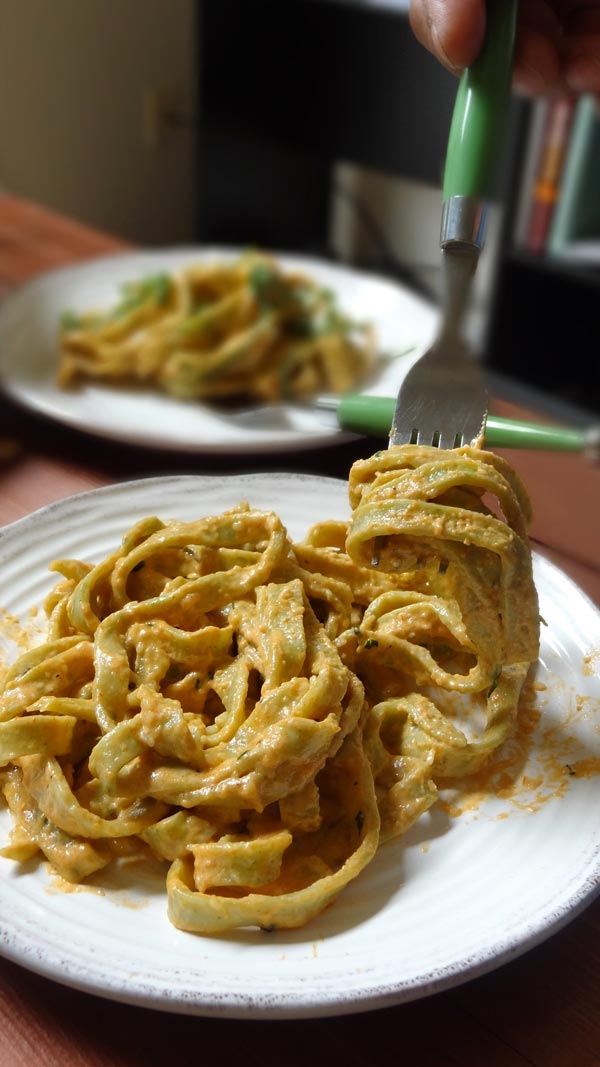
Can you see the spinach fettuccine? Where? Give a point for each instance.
(260, 715)
(246, 330)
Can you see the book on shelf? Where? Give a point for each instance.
(536, 125)
(552, 151)
(576, 218)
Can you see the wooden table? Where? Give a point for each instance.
(542, 1009)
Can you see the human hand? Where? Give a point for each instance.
(557, 44)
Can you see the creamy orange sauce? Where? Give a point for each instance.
(581, 707)
(586, 768)
(61, 885)
(538, 764)
(17, 636)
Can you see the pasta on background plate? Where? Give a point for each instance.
(216, 331)
(261, 715)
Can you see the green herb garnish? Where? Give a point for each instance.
(69, 321)
(495, 679)
(268, 287)
(156, 287)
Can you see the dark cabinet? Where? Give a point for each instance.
(289, 87)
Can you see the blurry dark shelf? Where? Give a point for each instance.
(544, 325)
(584, 273)
(543, 322)
(537, 398)
(296, 88)
(303, 85)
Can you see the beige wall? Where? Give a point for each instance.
(408, 215)
(73, 74)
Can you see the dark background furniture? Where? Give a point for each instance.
(543, 327)
(289, 87)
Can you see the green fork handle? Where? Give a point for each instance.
(373, 415)
(476, 130)
(481, 107)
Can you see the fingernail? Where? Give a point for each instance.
(442, 51)
(530, 81)
(583, 74)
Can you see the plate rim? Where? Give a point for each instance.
(300, 1003)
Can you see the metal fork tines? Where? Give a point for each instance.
(443, 400)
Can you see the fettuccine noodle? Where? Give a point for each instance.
(245, 330)
(262, 715)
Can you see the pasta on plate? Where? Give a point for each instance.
(262, 715)
(244, 330)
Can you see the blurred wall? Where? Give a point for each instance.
(407, 217)
(76, 78)
(405, 212)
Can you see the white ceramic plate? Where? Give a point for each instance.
(455, 898)
(29, 321)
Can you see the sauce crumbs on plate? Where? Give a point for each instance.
(535, 765)
(591, 662)
(18, 636)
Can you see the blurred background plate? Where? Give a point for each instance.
(29, 321)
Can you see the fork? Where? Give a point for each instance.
(443, 399)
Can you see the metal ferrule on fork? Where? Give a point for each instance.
(463, 224)
(442, 401)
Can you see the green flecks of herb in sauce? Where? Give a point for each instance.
(156, 287)
(495, 679)
(69, 321)
(268, 287)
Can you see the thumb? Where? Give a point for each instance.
(453, 30)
